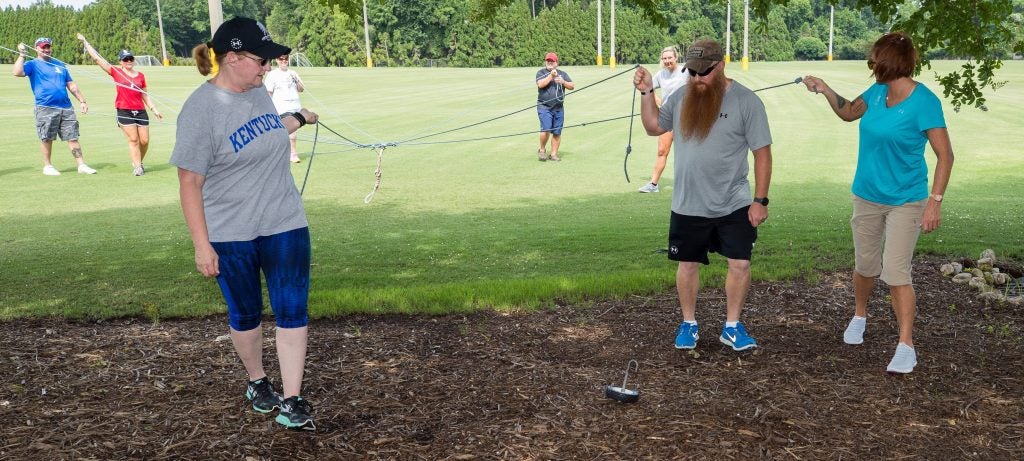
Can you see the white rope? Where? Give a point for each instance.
(376, 175)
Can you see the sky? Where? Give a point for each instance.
(75, 3)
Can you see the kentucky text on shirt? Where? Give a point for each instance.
(253, 129)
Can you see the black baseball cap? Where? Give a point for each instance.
(245, 34)
(125, 54)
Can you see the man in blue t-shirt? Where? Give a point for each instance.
(50, 81)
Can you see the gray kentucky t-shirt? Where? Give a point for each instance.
(238, 142)
(711, 175)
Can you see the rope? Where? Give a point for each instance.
(629, 141)
(316, 135)
(518, 111)
(484, 138)
(376, 175)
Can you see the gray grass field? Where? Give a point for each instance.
(463, 225)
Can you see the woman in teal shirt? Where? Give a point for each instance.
(892, 202)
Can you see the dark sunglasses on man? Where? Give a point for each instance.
(128, 59)
(707, 71)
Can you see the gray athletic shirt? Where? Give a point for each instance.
(238, 142)
(711, 176)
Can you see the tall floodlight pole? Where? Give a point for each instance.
(216, 15)
(831, 27)
(366, 36)
(599, 58)
(163, 45)
(745, 63)
(611, 57)
(728, 31)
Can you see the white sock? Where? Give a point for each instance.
(691, 322)
(731, 324)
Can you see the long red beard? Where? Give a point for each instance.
(703, 103)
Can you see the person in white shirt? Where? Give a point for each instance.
(670, 78)
(284, 86)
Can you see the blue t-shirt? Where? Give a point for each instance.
(49, 82)
(891, 168)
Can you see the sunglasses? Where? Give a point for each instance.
(44, 46)
(707, 71)
(262, 61)
(282, 59)
(871, 64)
(128, 59)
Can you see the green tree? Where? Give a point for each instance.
(810, 48)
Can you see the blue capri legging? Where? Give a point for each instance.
(284, 260)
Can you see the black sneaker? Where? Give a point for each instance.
(262, 395)
(296, 413)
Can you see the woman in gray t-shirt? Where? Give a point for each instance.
(243, 211)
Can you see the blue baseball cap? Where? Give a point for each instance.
(43, 41)
(124, 54)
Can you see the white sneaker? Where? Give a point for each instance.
(854, 333)
(84, 169)
(139, 170)
(49, 170)
(648, 188)
(904, 360)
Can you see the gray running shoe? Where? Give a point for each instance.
(903, 361)
(296, 413)
(854, 333)
(648, 188)
(139, 171)
(261, 394)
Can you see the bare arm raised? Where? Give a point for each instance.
(644, 83)
(845, 109)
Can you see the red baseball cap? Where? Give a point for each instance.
(551, 57)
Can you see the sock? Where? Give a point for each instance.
(691, 322)
(731, 324)
(857, 317)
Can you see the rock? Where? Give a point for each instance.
(977, 272)
(977, 282)
(957, 267)
(1000, 279)
(989, 254)
(985, 264)
(962, 277)
(947, 269)
(990, 296)
(988, 278)
(1016, 300)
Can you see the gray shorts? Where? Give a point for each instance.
(54, 121)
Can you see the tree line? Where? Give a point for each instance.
(452, 32)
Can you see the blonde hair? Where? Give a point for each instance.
(201, 53)
(674, 50)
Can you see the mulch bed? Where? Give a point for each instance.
(497, 385)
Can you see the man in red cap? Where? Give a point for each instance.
(551, 86)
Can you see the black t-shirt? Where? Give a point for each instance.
(552, 95)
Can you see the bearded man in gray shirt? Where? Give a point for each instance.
(715, 122)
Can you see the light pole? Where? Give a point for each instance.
(599, 58)
(728, 31)
(366, 36)
(163, 45)
(745, 63)
(831, 27)
(611, 57)
(216, 15)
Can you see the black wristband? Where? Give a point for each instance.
(300, 118)
(642, 93)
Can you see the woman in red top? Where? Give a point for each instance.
(131, 103)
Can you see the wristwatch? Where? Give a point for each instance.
(761, 200)
(937, 197)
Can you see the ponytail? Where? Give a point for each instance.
(202, 55)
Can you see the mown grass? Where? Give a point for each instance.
(463, 225)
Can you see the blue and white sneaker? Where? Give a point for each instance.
(686, 336)
(737, 338)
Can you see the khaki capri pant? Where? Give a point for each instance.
(884, 238)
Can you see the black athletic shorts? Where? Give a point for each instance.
(690, 238)
(132, 117)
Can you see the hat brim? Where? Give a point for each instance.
(271, 50)
(699, 65)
